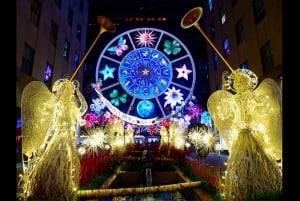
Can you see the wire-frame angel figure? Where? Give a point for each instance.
(249, 119)
(51, 166)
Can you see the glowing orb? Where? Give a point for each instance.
(145, 109)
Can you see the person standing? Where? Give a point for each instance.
(147, 164)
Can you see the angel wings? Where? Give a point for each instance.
(50, 161)
(256, 109)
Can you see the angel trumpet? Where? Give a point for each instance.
(106, 25)
(191, 18)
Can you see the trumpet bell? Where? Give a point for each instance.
(191, 17)
(106, 23)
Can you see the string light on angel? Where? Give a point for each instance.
(50, 162)
(51, 165)
(249, 119)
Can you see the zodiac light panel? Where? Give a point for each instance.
(146, 75)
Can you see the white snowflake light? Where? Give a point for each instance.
(173, 97)
(97, 106)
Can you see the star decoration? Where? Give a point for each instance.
(173, 97)
(183, 72)
(145, 71)
(107, 72)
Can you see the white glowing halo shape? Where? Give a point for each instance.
(161, 58)
(253, 80)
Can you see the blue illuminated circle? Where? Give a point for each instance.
(145, 73)
(145, 109)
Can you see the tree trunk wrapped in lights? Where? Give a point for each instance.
(250, 122)
(136, 191)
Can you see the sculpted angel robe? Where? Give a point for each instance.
(250, 122)
(50, 161)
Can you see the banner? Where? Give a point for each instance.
(125, 117)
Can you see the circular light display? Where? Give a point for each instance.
(146, 75)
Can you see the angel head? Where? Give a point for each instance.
(242, 80)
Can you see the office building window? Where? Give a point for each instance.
(48, 74)
(267, 57)
(53, 33)
(216, 60)
(222, 16)
(66, 49)
(239, 31)
(259, 10)
(211, 5)
(79, 32)
(244, 65)
(226, 47)
(27, 60)
(70, 16)
(75, 60)
(35, 12)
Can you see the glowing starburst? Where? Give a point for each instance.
(145, 38)
(94, 140)
(173, 97)
(203, 138)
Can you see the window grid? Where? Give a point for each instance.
(66, 49)
(35, 12)
(216, 61)
(259, 10)
(226, 47)
(75, 60)
(239, 30)
(27, 60)
(53, 33)
(267, 57)
(244, 65)
(211, 5)
(222, 16)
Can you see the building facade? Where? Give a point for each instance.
(248, 34)
(50, 40)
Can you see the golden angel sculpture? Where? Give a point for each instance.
(50, 161)
(249, 119)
